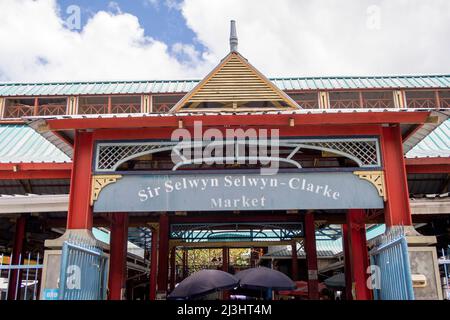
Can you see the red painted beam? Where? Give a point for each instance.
(311, 256)
(30, 175)
(298, 131)
(397, 210)
(35, 166)
(80, 211)
(118, 256)
(240, 119)
(428, 165)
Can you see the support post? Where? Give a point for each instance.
(225, 258)
(153, 264)
(347, 263)
(359, 260)
(397, 210)
(163, 253)
(118, 256)
(294, 260)
(17, 257)
(185, 263)
(311, 256)
(80, 211)
(173, 272)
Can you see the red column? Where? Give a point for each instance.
(347, 263)
(397, 210)
(118, 256)
(225, 259)
(294, 260)
(173, 273)
(153, 264)
(185, 263)
(358, 253)
(311, 256)
(163, 253)
(80, 211)
(17, 258)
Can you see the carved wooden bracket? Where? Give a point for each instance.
(376, 178)
(99, 182)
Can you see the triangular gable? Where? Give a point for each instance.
(233, 84)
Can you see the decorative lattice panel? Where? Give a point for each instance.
(364, 151)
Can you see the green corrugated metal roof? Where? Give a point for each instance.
(183, 86)
(436, 144)
(20, 143)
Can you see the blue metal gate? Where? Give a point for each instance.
(83, 272)
(390, 266)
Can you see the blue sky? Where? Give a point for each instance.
(160, 19)
(185, 39)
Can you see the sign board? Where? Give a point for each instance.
(222, 192)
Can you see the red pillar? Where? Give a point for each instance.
(173, 273)
(397, 210)
(118, 256)
(80, 211)
(347, 263)
(359, 260)
(153, 264)
(294, 261)
(311, 256)
(17, 258)
(225, 259)
(163, 253)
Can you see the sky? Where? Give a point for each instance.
(87, 40)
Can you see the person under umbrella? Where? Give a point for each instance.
(202, 283)
(262, 278)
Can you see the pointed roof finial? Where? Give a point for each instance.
(233, 37)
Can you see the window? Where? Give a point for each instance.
(163, 103)
(378, 99)
(18, 108)
(93, 105)
(420, 99)
(51, 106)
(344, 100)
(125, 104)
(306, 100)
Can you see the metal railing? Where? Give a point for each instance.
(84, 272)
(20, 281)
(390, 256)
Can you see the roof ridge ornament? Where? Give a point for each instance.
(233, 37)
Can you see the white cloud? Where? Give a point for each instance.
(36, 47)
(329, 37)
(281, 38)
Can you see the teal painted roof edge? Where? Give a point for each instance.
(8, 89)
(20, 143)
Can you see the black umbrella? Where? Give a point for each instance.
(336, 281)
(264, 278)
(202, 283)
